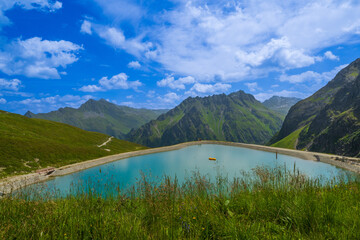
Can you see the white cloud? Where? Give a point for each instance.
(311, 76)
(236, 41)
(130, 97)
(39, 4)
(209, 88)
(119, 81)
(252, 86)
(208, 42)
(51, 103)
(13, 84)
(151, 94)
(42, 5)
(129, 104)
(229, 41)
(121, 10)
(278, 49)
(86, 27)
(115, 37)
(331, 56)
(178, 84)
(169, 98)
(91, 88)
(2, 101)
(299, 78)
(313, 80)
(37, 58)
(134, 65)
(321, 23)
(12, 93)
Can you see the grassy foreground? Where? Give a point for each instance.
(265, 204)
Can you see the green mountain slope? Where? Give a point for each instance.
(101, 116)
(280, 104)
(236, 117)
(330, 118)
(30, 144)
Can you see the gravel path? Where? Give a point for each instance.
(106, 142)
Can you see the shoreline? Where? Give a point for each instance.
(12, 183)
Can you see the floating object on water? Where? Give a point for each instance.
(213, 159)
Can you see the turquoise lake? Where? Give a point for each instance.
(181, 163)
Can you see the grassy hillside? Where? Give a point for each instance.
(332, 117)
(290, 141)
(237, 117)
(30, 144)
(101, 116)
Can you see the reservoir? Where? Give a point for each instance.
(183, 163)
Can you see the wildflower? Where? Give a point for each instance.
(194, 218)
(203, 229)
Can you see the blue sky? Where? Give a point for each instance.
(154, 54)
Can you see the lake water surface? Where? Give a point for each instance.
(182, 163)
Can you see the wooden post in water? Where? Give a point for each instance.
(276, 155)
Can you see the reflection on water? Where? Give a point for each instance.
(182, 164)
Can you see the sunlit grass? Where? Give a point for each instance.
(27, 145)
(265, 203)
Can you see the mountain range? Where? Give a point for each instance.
(101, 116)
(236, 117)
(281, 105)
(329, 120)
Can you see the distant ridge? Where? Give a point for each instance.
(101, 116)
(281, 105)
(329, 120)
(236, 117)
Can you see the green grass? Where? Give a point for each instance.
(215, 120)
(289, 141)
(354, 74)
(30, 144)
(264, 204)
